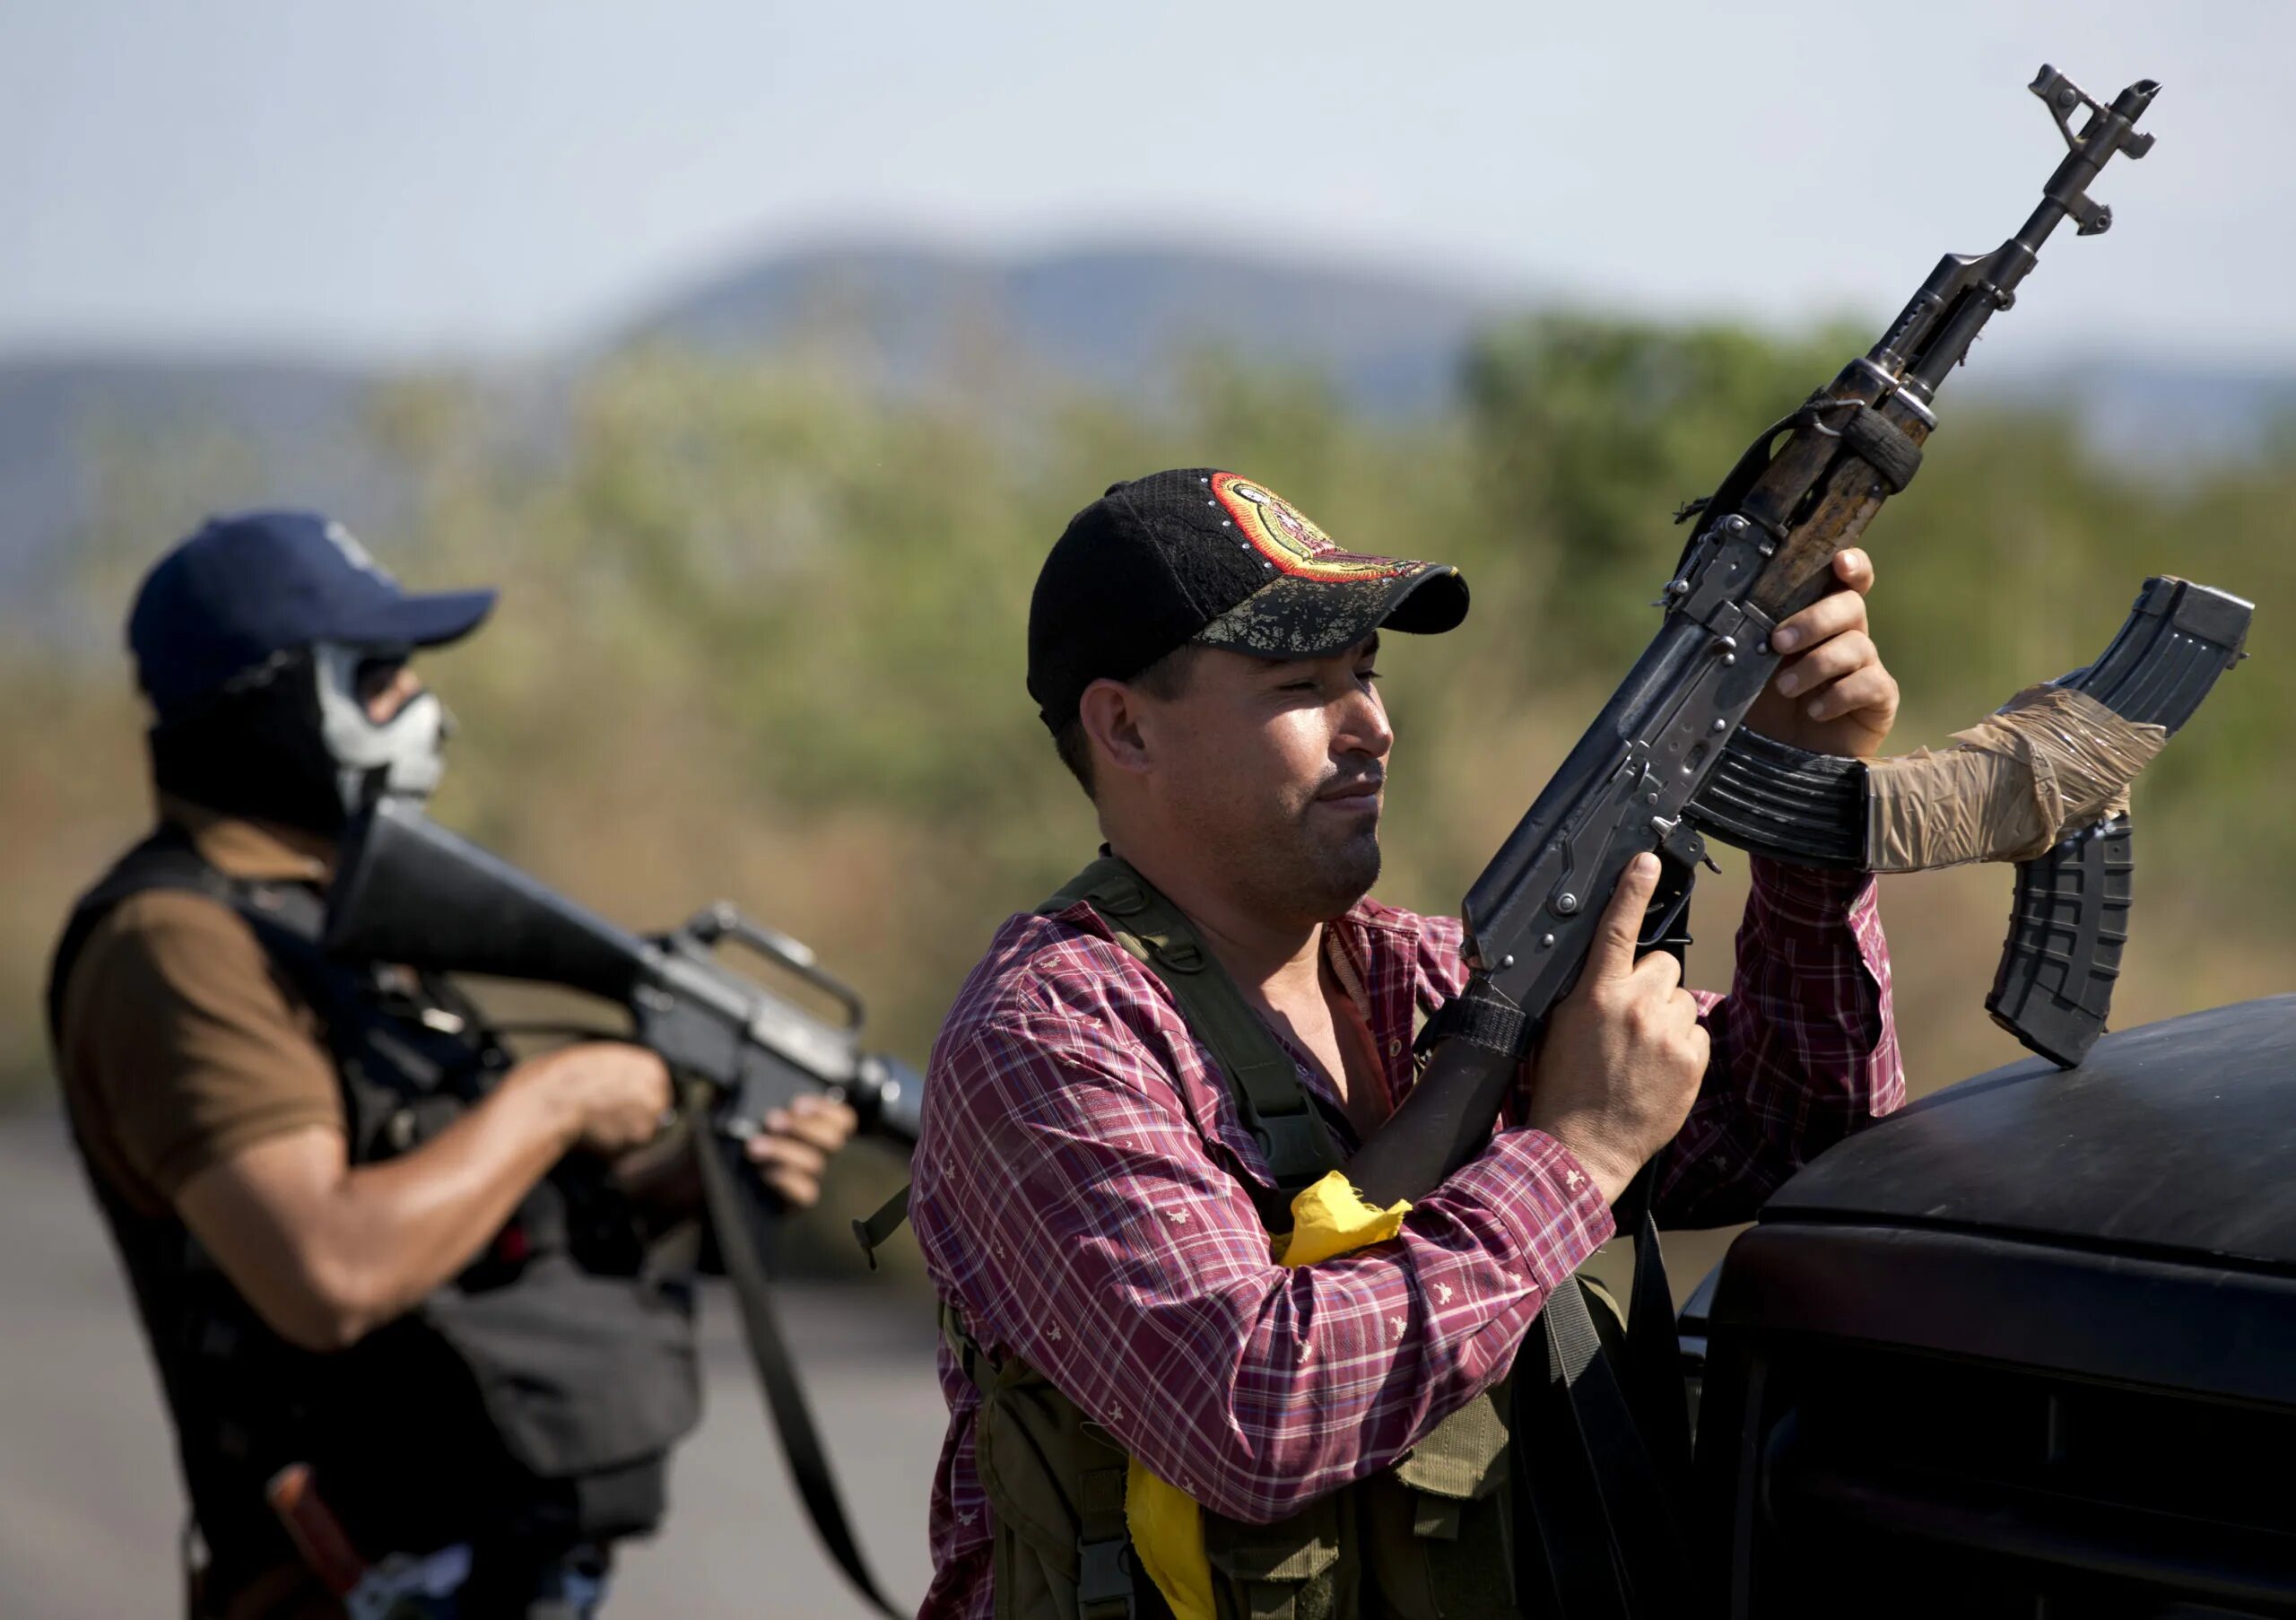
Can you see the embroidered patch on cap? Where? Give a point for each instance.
(1284, 534)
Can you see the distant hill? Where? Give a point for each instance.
(279, 430)
(1113, 318)
(283, 432)
(2162, 415)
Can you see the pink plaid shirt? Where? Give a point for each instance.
(1079, 1193)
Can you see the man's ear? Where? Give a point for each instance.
(1109, 712)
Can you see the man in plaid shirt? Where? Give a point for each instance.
(1203, 656)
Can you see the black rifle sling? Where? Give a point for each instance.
(1559, 1461)
(1609, 1493)
(1601, 1484)
(740, 1220)
(873, 1232)
(1651, 1368)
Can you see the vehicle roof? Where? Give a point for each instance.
(2175, 1138)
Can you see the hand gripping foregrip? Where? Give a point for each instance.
(2070, 917)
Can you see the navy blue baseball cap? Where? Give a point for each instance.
(248, 587)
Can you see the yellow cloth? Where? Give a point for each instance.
(1167, 1525)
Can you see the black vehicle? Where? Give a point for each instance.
(2027, 1348)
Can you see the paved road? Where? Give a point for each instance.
(88, 1503)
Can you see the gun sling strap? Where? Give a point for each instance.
(741, 1218)
(1607, 1476)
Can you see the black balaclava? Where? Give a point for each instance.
(254, 750)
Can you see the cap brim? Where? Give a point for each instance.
(1296, 617)
(423, 621)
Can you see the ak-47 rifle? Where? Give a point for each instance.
(1667, 762)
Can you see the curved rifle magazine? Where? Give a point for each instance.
(2068, 921)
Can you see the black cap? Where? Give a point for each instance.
(245, 587)
(1202, 556)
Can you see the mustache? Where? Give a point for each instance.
(1371, 781)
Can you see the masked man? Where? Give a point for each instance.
(1097, 1186)
(421, 1352)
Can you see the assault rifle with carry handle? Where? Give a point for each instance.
(408, 891)
(1666, 763)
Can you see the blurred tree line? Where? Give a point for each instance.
(761, 636)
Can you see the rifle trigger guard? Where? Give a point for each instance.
(1662, 923)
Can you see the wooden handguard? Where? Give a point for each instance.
(1832, 517)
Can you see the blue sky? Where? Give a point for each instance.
(420, 178)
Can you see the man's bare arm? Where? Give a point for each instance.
(325, 1253)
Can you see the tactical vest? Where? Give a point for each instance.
(1430, 1538)
(529, 1404)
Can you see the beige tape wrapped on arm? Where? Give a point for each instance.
(2051, 762)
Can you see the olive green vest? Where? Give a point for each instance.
(1428, 1539)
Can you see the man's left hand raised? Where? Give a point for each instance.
(1831, 694)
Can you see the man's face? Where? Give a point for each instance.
(1271, 772)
